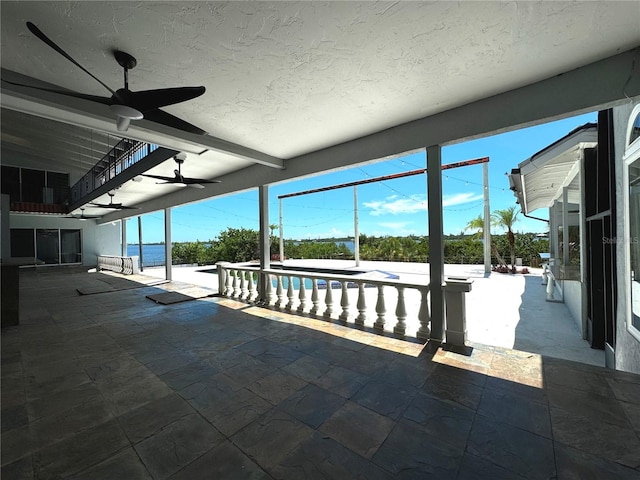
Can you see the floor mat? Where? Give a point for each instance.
(106, 287)
(168, 298)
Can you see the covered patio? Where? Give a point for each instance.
(112, 385)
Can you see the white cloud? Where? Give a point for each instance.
(460, 198)
(394, 205)
(333, 233)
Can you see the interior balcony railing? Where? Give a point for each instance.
(122, 156)
(364, 302)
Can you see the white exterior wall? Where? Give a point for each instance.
(96, 239)
(572, 296)
(627, 348)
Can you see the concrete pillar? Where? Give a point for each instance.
(356, 227)
(140, 243)
(565, 226)
(167, 243)
(265, 238)
(436, 243)
(553, 234)
(486, 231)
(123, 231)
(222, 277)
(280, 227)
(455, 289)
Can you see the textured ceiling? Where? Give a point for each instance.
(287, 78)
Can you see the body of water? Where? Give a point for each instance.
(350, 244)
(154, 254)
(151, 254)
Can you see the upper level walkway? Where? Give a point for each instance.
(113, 385)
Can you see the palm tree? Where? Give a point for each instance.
(505, 218)
(477, 224)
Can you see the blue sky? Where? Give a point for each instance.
(393, 207)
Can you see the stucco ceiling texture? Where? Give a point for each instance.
(287, 78)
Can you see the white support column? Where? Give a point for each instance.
(167, 243)
(281, 234)
(265, 239)
(553, 232)
(436, 244)
(140, 243)
(123, 232)
(486, 231)
(356, 228)
(456, 311)
(565, 226)
(583, 253)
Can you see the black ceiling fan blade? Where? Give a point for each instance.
(159, 177)
(38, 33)
(164, 118)
(190, 181)
(152, 99)
(113, 206)
(68, 93)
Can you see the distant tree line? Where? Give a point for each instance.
(241, 245)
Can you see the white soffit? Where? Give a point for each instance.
(545, 174)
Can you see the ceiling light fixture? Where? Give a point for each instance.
(125, 114)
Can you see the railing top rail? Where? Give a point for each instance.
(331, 276)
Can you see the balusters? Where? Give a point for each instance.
(279, 292)
(314, 297)
(253, 289)
(228, 289)
(289, 294)
(401, 312)
(380, 309)
(344, 302)
(328, 300)
(243, 286)
(236, 287)
(268, 291)
(302, 296)
(361, 305)
(424, 333)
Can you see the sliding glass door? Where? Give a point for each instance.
(50, 246)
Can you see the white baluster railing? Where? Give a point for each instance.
(344, 302)
(410, 302)
(315, 299)
(302, 296)
(290, 294)
(125, 265)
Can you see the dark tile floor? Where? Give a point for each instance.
(113, 386)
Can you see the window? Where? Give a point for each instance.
(49, 245)
(22, 242)
(36, 186)
(11, 182)
(634, 131)
(632, 233)
(33, 183)
(634, 240)
(70, 246)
